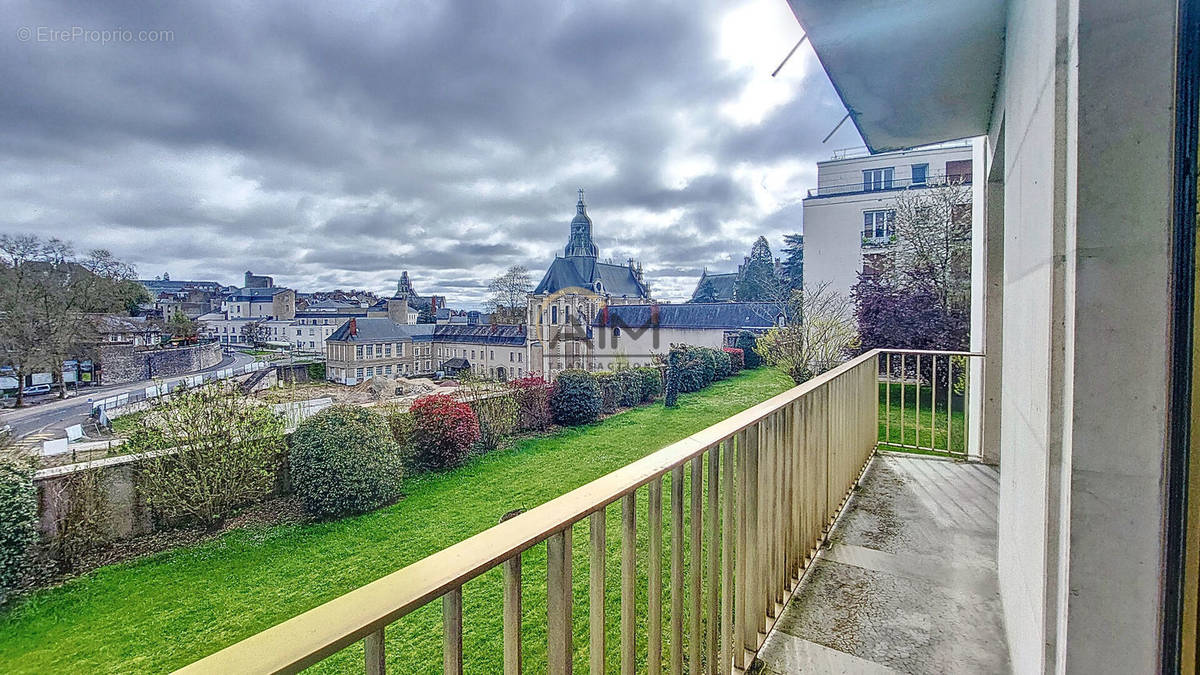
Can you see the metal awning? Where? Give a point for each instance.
(910, 72)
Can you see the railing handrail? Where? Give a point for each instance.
(309, 637)
(935, 352)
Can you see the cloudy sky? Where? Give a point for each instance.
(336, 144)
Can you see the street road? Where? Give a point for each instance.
(51, 418)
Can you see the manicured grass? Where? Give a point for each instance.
(164, 611)
(903, 427)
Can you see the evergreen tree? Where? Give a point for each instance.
(758, 282)
(793, 261)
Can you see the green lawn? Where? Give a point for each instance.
(167, 610)
(903, 428)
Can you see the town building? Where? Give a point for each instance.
(191, 298)
(849, 218)
(406, 306)
(137, 331)
(575, 287)
(362, 348)
(633, 335)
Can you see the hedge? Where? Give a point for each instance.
(532, 395)
(736, 360)
(631, 387)
(724, 367)
(610, 392)
(748, 344)
(443, 431)
(651, 383)
(576, 398)
(341, 463)
(18, 522)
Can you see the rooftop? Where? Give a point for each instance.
(698, 315)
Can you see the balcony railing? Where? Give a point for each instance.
(931, 180)
(766, 485)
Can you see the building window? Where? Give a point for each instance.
(920, 174)
(387, 349)
(492, 354)
(958, 171)
(371, 371)
(878, 226)
(359, 373)
(518, 357)
(554, 314)
(512, 356)
(877, 179)
(358, 353)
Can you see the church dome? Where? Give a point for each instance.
(580, 242)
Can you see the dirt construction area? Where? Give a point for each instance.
(399, 391)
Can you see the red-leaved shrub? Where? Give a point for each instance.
(737, 360)
(443, 431)
(532, 394)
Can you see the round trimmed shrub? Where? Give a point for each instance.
(748, 344)
(736, 360)
(443, 431)
(724, 368)
(631, 387)
(576, 398)
(343, 460)
(610, 392)
(708, 365)
(18, 522)
(650, 380)
(691, 370)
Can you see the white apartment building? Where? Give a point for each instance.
(849, 217)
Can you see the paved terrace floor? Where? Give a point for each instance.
(908, 583)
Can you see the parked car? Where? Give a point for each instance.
(36, 389)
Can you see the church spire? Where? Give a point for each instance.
(580, 242)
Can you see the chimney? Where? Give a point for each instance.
(353, 327)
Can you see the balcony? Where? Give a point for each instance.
(763, 510)
(894, 185)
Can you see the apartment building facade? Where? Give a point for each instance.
(849, 218)
(362, 348)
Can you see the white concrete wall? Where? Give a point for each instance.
(1085, 103)
(845, 175)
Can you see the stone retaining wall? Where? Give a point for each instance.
(123, 363)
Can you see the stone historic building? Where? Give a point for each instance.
(576, 286)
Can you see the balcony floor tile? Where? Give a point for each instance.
(908, 582)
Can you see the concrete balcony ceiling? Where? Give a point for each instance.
(910, 72)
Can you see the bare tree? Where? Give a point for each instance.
(48, 298)
(933, 241)
(509, 291)
(820, 333)
(252, 331)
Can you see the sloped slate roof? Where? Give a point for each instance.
(584, 271)
(722, 285)
(255, 294)
(713, 315)
(477, 334)
(375, 330)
